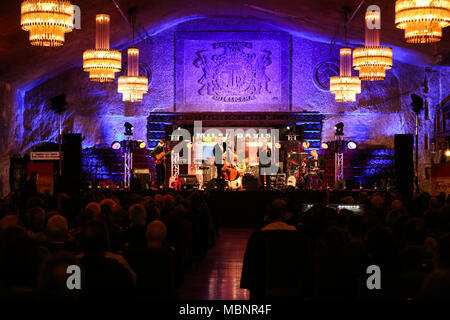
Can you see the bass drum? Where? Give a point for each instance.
(235, 184)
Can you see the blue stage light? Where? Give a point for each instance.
(351, 145)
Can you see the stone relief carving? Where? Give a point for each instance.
(322, 73)
(233, 71)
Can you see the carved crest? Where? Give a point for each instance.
(233, 71)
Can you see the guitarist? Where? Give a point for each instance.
(158, 154)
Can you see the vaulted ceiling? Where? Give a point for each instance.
(23, 65)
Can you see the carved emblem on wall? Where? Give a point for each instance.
(322, 73)
(233, 71)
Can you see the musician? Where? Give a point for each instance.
(264, 151)
(160, 168)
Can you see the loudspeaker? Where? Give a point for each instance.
(58, 103)
(404, 164)
(188, 181)
(71, 163)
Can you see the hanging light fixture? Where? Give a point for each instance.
(345, 86)
(422, 20)
(47, 21)
(132, 86)
(372, 60)
(102, 63)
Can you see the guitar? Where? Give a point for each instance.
(160, 157)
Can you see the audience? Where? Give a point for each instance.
(129, 245)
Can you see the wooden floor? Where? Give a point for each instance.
(218, 275)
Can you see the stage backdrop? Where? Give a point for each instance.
(232, 71)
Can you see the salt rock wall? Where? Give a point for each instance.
(97, 111)
(10, 131)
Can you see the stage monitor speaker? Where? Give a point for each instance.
(188, 181)
(403, 163)
(58, 103)
(71, 163)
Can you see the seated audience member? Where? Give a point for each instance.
(437, 286)
(154, 265)
(103, 276)
(442, 257)
(277, 209)
(56, 233)
(52, 282)
(36, 223)
(135, 235)
(20, 261)
(95, 209)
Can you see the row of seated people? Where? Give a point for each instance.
(325, 254)
(133, 247)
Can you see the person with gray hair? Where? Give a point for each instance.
(134, 236)
(56, 232)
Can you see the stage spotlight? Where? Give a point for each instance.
(339, 127)
(289, 128)
(116, 145)
(447, 153)
(128, 129)
(305, 144)
(324, 145)
(278, 145)
(142, 144)
(351, 145)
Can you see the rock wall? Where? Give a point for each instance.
(96, 110)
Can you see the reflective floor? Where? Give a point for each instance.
(218, 275)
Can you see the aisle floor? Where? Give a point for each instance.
(218, 275)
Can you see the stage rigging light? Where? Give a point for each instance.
(116, 145)
(324, 145)
(128, 129)
(47, 21)
(305, 144)
(142, 144)
(339, 127)
(351, 145)
(447, 153)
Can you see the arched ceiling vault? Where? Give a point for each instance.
(23, 65)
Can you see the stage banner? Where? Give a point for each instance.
(232, 71)
(46, 175)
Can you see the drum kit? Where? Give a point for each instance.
(302, 171)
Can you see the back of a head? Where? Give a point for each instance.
(434, 203)
(156, 233)
(334, 239)
(95, 209)
(57, 228)
(277, 208)
(354, 224)
(415, 232)
(94, 237)
(36, 218)
(138, 215)
(377, 202)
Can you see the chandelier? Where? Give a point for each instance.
(47, 21)
(102, 62)
(422, 20)
(344, 86)
(133, 86)
(372, 60)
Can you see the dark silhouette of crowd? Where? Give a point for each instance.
(126, 245)
(141, 246)
(324, 253)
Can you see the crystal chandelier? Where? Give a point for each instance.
(344, 86)
(47, 21)
(372, 60)
(133, 86)
(422, 20)
(102, 62)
